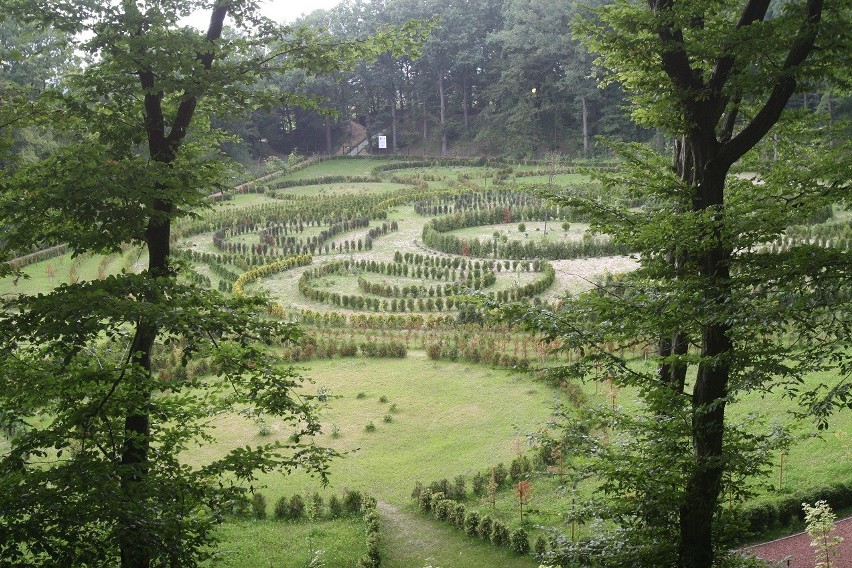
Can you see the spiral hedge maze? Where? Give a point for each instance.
(324, 257)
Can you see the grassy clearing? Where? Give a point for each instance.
(450, 419)
(816, 459)
(338, 167)
(242, 200)
(272, 543)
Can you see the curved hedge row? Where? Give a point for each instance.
(369, 321)
(267, 269)
(418, 297)
(440, 240)
(37, 256)
(420, 291)
(511, 198)
(356, 302)
(216, 261)
(277, 240)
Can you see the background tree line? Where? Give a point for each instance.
(496, 77)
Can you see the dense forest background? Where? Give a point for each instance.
(496, 77)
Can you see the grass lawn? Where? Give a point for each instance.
(338, 167)
(241, 200)
(558, 179)
(414, 540)
(282, 544)
(450, 419)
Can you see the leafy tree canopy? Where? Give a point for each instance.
(109, 386)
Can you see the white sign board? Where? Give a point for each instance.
(383, 142)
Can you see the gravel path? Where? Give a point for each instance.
(797, 548)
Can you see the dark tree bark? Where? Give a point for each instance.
(443, 105)
(703, 158)
(393, 118)
(328, 149)
(425, 125)
(163, 148)
(465, 103)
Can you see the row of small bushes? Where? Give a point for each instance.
(372, 527)
(449, 351)
(266, 251)
(506, 202)
(329, 348)
(556, 250)
(37, 256)
(413, 297)
(519, 470)
(388, 290)
(500, 215)
(358, 302)
(437, 162)
(319, 210)
(472, 523)
(328, 319)
(197, 278)
(217, 261)
(296, 508)
(272, 242)
(405, 270)
(273, 185)
(468, 264)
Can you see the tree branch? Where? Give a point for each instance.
(727, 130)
(753, 12)
(803, 45)
(187, 107)
(674, 58)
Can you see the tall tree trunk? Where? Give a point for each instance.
(443, 104)
(393, 120)
(367, 131)
(425, 126)
(328, 149)
(134, 546)
(556, 117)
(585, 127)
(704, 481)
(465, 103)
(671, 373)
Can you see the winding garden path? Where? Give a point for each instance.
(413, 540)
